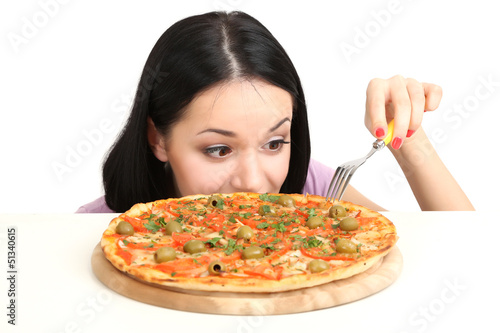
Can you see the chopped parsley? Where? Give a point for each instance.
(279, 227)
(263, 225)
(231, 247)
(246, 215)
(268, 246)
(312, 242)
(213, 242)
(269, 198)
(312, 212)
(307, 242)
(220, 204)
(152, 226)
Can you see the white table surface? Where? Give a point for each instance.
(449, 281)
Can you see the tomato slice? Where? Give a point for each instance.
(279, 272)
(286, 247)
(301, 213)
(143, 246)
(138, 224)
(264, 270)
(317, 231)
(326, 258)
(182, 264)
(214, 221)
(250, 222)
(232, 257)
(364, 220)
(126, 255)
(180, 239)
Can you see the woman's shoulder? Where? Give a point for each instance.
(318, 178)
(97, 206)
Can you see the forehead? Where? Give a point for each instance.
(240, 102)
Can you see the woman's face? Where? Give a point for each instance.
(235, 137)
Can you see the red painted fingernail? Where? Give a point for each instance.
(379, 132)
(409, 133)
(397, 142)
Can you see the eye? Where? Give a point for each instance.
(218, 151)
(275, 145)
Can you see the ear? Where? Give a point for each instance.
(156, 142)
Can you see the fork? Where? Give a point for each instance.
(344, 172)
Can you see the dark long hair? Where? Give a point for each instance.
(191, 56)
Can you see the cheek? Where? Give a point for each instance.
(214, 177)
(276, 171)
(195, 176)
(282, 166)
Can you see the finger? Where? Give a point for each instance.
(375, 117)
(402, 110)
(417, 100)
(433, 94)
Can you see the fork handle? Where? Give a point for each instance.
(379, 144)
(390, 132)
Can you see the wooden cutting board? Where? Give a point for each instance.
(378, 277)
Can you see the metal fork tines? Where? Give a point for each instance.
(344, 173)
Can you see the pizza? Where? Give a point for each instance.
(246, 242)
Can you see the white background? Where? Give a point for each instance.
(68, 70)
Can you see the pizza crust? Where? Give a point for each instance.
(385, 237)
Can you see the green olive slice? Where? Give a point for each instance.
(345, 246)
(194, 246)
(349, 224)
(216, 267)
(286, 201)
(266, 210)
(164, 254)
(125, 228)
(318, 265)
(252, 252)
(314, 222)
(173, 226)
(337, 211)
(244, 232)
(215, 201)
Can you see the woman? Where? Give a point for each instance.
(220, 109)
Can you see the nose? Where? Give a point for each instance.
(248, 175)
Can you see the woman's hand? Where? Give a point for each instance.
(403, 99)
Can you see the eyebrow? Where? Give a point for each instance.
(233, 134)
(275, 127)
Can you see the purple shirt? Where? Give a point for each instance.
(317, 182)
